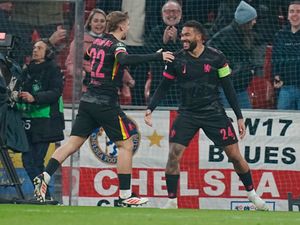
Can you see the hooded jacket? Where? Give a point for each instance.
(230, 41)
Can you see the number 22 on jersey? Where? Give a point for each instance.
(97, 62)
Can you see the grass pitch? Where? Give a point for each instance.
(71, 215)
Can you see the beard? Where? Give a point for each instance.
(193, 45)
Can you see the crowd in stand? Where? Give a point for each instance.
(252, 38)
(157, 25)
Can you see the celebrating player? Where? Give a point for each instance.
(99, 106)
(198, 70)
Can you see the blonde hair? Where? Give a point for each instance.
(87, 24)
(114, 18)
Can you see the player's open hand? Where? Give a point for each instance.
(148, 117)
(242, 128)
(168, 56)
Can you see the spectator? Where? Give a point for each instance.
(41, 105)
(236, 41)
(150, 11)
(30, 21)
(94, 27)
(166, 37)
(286, 60)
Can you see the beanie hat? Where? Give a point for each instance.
(244, 13)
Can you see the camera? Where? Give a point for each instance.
(7, 43)
(10, 70)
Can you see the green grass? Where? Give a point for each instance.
(71, 215)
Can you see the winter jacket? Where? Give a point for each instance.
(43, 119)
(286, 56)
(87, 41)
(229, 40)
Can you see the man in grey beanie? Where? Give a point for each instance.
(236, 41)
(244, 13)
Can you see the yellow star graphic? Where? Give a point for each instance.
(155, 139)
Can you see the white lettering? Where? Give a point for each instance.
(267, 184)
(98, 183)
(142, 182)
(217, 187)
(184, 189)
(159, 183)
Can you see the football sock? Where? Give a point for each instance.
(52, 166)
(172, 183)
(125, 185)
(246, 179)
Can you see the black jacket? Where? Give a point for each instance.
(44, 121)
(286, 56)
(229, 40)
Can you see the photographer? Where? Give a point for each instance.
(40, 101)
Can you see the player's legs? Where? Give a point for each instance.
(120, 129)
(124, 167)
(239, 163)
(58, 157)
(72, 145)
(183, 130)
(175, 154)
(219, 129)
(83, 126)
(241, 167)
(172, 173)
(124, 164)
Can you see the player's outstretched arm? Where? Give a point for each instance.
(131, 59)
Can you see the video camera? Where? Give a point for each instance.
(9, 69)
(7, 42)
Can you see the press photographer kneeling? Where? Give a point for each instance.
(40, 101)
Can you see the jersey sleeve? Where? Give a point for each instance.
(169, 71)
(119, 47)
(223, 67)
